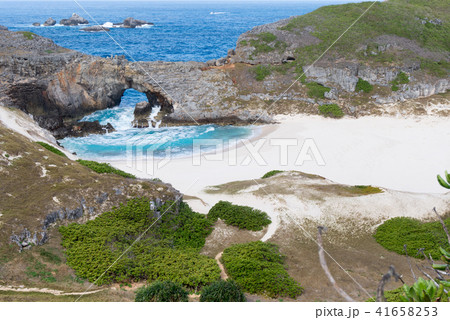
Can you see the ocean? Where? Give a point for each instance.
(182, 31)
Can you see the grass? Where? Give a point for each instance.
(271, 174)
(316, 90)
(258, 267)
(104, 168)
(400, 18)
(331, 111)
(397, 232)
(27, 35)
(436, 68)
(51, 149)
(365, 190)
(242, 217)
(261, 72)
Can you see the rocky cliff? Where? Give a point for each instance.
(59, 86)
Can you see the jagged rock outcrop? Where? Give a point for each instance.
(49, 22)
(74, 20)
(133, 23)
(142, 112)
(95, 29)
(3, 28)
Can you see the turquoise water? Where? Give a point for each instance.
(183, 31)
(159, 142)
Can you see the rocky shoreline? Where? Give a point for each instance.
(58, 86)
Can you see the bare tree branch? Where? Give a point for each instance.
(443, 225)
(430, 261)
(323, 263)
(409, 262)
(380, 290)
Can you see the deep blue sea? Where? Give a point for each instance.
(182, 31)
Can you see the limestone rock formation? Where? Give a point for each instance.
(49, 22)
(74, 20)
(142, 113)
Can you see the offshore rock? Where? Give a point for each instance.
(3, 28)
(133, 23)
(74, 20)
(49, 22)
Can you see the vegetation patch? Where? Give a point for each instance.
(261, 72)
(331, 111)
(401, 78)
(162, 291)
(365, 190)
(397, 232)
(363, 85)
(27, 35)
(242, 217)
(168, 250)
(223, 291)
(41, 271)
(258, 267)
(271, 173)
(51, 149)
(436, 68)
(316, 90)
(402, 18)
(104, 168)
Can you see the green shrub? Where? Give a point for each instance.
(169, 249)
(261, 72)
(271, 174)
(436, 68)
(50, 256)
(243, 43)
(363, 85)
(240, 216)
(223, 291)
(258, 267)
(402, 78)
(397, 232)
(316, 90)
(331, 110)
(104, 168)
(51, 148)
(162, 291)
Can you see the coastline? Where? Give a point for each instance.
(387, 152)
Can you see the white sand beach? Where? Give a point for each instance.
(395, 153)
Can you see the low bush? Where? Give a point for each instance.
(397, 232)
(316, 90)
(363, 85)
(51, 148)
(258, 267)
(331, 110)
(261, 72)
(167, 250)
(271, 174)
(162, 291)
(104, 168)
(240, 216)
(402, 78)
(223, 291)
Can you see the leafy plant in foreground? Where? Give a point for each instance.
(444, 183)
(424, 291)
